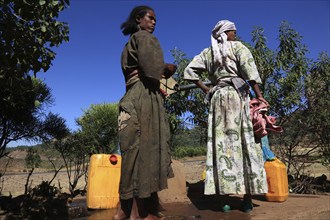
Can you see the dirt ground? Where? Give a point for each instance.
(15, 179)
(297, 207)
(186, 200)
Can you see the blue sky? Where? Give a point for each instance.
(87, 69)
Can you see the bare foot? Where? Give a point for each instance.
(120, 214)
(119, 217)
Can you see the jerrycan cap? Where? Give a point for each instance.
(113, 159)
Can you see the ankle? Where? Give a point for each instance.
(226, 208)
(122, 212)
(224, 203)
(247, 197)
(247, 205)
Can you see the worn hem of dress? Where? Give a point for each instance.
(131, 195)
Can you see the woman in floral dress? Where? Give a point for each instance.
(234, 162)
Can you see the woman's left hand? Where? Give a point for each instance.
(261, 99)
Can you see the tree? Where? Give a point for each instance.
(75, 156)
(188, 137)
(32, 161)
(28, 31)
(318, 97)
(191, 106)
(98, 127)
(97, 133)
(32, 158)
(284, 87)
(282, 71)
(283, 74)
(263, 56)
(23, 119)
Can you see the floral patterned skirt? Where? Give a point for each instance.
(234, 163)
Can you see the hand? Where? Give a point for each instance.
(206, 89)
(261, 99)
(169, 70)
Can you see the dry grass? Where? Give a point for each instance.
(13, 182)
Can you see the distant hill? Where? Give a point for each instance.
(15, 160)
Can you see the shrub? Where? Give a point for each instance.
(185, 151)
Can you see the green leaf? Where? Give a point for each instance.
(39, 40)
(43, 28)
(42, 2)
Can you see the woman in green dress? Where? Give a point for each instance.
(143, 126)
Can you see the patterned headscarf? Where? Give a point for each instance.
(219, 40)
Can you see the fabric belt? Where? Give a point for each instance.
(238, 83)
(133, 77)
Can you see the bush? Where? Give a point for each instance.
(181, 152)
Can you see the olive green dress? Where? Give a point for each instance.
(143, 126)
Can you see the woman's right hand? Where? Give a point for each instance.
(257, 92)
(169, 70)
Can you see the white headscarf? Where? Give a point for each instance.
(219, 40)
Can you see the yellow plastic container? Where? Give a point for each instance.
(277, 179)
(103, 181)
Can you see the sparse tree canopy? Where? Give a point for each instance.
(318, 96)
(191, 101)
(28, 31)
(32, 158)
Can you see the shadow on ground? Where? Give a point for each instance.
(212, 202)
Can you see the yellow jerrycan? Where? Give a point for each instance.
(103, 181)
(277, 180)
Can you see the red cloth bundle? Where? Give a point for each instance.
(262, 123)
